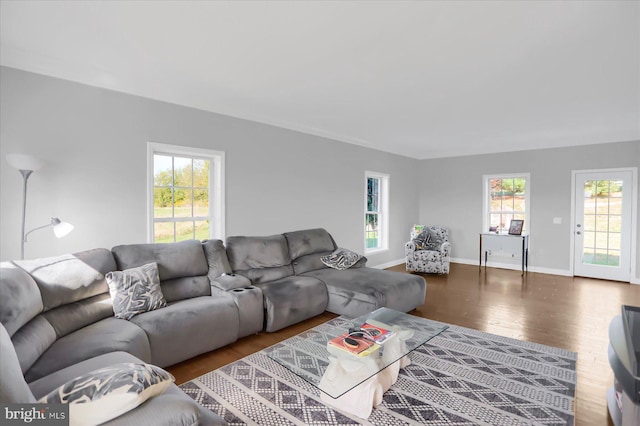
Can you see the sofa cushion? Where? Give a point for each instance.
(261, 259)
(103, 394)
(32, 340)
(182, 266)
(135, 291)
(354, 292)
(307, 247)
(172, 408)
(189, 327)
(13, 388)
(68, 318)
(175, 260)
(108, 335)
(309, 241)
(216, 258)
(70, 277)
(185, 288)
(292, 299)
(21, 300)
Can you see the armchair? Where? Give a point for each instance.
(428, 250)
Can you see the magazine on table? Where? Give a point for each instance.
(377, 333)
(354, 344)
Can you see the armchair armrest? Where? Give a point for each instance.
(409, 248)
(445, 248)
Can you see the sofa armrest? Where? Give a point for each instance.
(230, 282)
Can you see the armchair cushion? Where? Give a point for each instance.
(437, 236)
(421, 240)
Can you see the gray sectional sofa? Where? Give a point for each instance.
(57, 316)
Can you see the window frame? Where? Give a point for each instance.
(486, 200)
(216, 184)
(383, 213)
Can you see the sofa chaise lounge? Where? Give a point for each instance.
(57, 315)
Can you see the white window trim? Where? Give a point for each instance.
(485, 197)
(216, 184)
(385, 181)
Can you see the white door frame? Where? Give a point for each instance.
(634, 216)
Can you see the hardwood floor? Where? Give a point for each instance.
(568, 312)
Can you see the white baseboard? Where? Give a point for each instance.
(552, 271)
(515, 267)
(537, 269)
(463, 261)
(389, 264)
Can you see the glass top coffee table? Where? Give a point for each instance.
(336, 370)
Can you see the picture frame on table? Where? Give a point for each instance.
(515, 228)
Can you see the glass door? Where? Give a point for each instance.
(602, 234)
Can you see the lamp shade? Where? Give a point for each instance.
(60, 228)
(24, 162)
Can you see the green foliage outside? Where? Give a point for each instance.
(603, 259)
(515, 186)
(181, 192)
(164, 234)
(372, 239)
(175, 187)
(371, 219)
(603, 188)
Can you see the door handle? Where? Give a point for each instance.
(578, 232)
(578, 225)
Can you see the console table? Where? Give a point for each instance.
(515, 246)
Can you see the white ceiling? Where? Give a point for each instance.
(420, 79)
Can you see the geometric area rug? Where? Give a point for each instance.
(460, 377)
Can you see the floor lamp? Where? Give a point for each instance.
(27, 164)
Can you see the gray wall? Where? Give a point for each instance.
(94, 142)
(451, 195)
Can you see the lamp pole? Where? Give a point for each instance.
(25, 176)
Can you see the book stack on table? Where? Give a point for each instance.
(363, 340)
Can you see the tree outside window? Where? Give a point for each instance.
(186, 191)
(376, 211)
(372, 216)
(507, 200)
(180, 198)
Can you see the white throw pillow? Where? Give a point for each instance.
(109, 392)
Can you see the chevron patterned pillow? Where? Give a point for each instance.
(341, 259)
(135, 290)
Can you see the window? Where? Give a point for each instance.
(506, 198)
(376, 217)
(185, 193)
